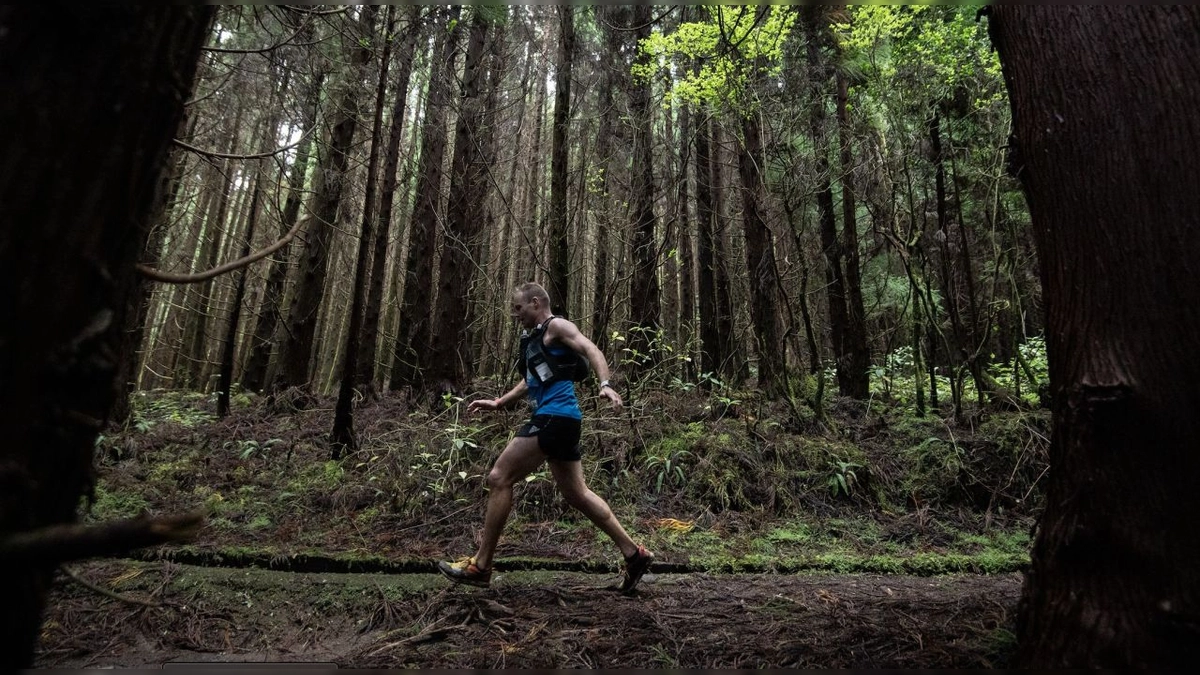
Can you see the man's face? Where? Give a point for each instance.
(524, 311)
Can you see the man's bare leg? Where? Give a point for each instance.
(519, 459)
(569, 478)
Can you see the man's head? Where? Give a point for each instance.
(530, 304)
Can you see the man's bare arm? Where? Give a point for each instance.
(514, 394)
(569, 334)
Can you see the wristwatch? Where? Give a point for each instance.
(605, 383)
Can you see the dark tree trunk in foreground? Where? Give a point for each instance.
(106, 84)
(1106, 136)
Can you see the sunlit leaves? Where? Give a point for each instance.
(712, 61)
(935, 49)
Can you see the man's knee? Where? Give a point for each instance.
(499, 479)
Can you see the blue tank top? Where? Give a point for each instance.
(556, 398)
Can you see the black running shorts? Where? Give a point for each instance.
(558, 437)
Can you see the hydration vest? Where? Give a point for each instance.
(549, 367)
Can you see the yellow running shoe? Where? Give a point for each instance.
(465, 571)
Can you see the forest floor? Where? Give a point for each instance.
(309, 560)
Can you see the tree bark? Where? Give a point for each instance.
(257, 375)
(297, 346)
(107, 83)
(451, 365)
(229, 344)
(760, 262)
(644, 301)
(134, 341)
(831, 246)
(858, 354)
(731, 364)
(1105, 138)
(711, 356)
(369, 341)
(601, 292)
(560, 252)
(341, 437)
(415, 333)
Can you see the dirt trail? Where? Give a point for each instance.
(527, 619)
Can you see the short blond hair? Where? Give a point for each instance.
(530, 290)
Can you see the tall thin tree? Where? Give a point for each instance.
(645, 308)
(560, 253)
(298, 343)
(342, 438)
(415, 333)
(452, 363)
(369, 341)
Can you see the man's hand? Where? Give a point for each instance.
(612, 395)
(483, 404)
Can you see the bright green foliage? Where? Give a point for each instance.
(942, 48)
(894, 378)
(732, 47)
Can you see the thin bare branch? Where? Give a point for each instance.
(261, 50)
(170, 278)
(222, 155)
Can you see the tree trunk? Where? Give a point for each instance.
(139, 310)
(369, 340)
(415, 333)
(229, 344)
(711, 356)
(760, 263)
(734, 364)
(956, 352)
(256, 376)
(296, 348)
(451, 366)
(601, 292)
(108, 83)
(858, 355)
(687, 264)
(1111, 181)
(644, 301)
(194, 350)
(560, 252)
(341, 437)
(831, 246)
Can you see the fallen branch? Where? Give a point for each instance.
(74, 576)
(62, 543)
(171, 278)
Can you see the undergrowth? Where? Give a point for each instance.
(752, 486)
